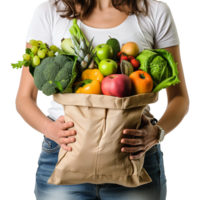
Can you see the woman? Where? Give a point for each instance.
(148, 23)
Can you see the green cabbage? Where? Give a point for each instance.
(161, 66)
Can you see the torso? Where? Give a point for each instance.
(109, 18)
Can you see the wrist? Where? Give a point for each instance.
(46, 125)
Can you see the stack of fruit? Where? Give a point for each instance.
(106, 69)
(123, 76)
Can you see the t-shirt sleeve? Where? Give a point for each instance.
(41, 23)
(166, 34)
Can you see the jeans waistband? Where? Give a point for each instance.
(152, 150)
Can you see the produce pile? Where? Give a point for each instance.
(106, 69)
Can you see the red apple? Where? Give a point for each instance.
(118, 85)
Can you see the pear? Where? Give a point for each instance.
(66, 45)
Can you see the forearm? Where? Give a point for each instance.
(30, 112)
(175, 112)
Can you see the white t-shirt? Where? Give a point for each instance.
(157, 30)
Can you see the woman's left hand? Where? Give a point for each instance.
(142, 139)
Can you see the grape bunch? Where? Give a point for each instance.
(32, 56)
(38, 51)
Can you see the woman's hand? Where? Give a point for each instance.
(57, 132)
(142, 139)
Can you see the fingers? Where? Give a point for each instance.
(66, 125)
(133, 149)
(135, 132)
(65, 147)
(133, 142)
(65, 141)
(132, 157)
(63, 124)
(64, 134)
(61, 119)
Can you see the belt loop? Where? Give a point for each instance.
(97, 190)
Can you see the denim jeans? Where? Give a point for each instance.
(153, 163)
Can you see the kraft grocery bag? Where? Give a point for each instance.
(96, 158)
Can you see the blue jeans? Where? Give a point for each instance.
(156, 190)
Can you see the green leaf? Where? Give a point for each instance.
(43, 46)
(75, 73)
(28, 50)
(32, 54)
(19, 64)
(59, 86)
(27, 63)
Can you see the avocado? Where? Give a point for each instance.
(114, 44)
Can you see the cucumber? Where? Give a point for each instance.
(114, 44)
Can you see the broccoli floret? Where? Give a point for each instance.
(65, 83)
(61, 60)
(49, 88)
(47, 61)
(51, 71)
(53, 74)
(39, 79)
(65, 74)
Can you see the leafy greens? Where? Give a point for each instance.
(160, 64)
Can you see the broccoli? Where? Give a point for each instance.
(51, 71)
(66, 71)
(39, 79)
(49, 88)
(53, 74)
(61, 61)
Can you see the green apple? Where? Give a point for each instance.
(108, 67)
(104, 51)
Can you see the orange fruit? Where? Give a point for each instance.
(130, 48)
(142, 82)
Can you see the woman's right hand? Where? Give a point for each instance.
(57, 132)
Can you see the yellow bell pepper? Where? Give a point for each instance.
(93, 74)
(89, 86)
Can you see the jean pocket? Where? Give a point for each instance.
(49, 146)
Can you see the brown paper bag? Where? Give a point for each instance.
(96, 158)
